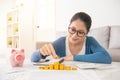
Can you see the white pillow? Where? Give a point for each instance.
(114, 37)
(101, 34)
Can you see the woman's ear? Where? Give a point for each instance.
(13, 51)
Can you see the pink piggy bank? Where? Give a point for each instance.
(17, 58)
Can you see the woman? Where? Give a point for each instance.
(77, 46)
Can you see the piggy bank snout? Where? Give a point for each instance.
(19, 57)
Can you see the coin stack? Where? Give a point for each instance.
(57, 66)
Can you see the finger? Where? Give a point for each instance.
(48, 49)
(45, 50)
(64, 58)
(42, 52)
(53, 51)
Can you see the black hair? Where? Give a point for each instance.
(83, 17)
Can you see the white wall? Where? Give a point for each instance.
(102, 12)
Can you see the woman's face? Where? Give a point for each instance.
(77, 32)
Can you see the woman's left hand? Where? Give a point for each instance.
(68, 58)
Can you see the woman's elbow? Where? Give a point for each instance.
(34, 59)
(108, 60)
(35, 56)
(105, 58)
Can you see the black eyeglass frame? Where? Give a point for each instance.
(82, 34)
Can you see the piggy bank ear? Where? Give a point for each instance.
(13, 51)
(22, 50)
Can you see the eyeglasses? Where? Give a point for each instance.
(73, 31)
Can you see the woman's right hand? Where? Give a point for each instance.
(48, 49)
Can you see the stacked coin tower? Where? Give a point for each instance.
(57, 66)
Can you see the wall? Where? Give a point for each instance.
(103, 12)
